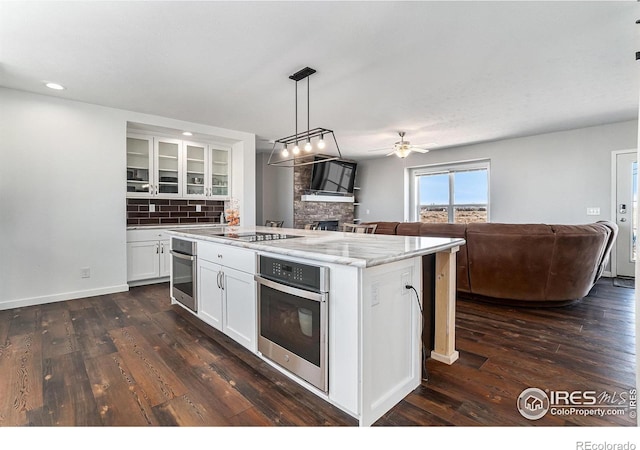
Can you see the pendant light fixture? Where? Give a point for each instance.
(280, 154)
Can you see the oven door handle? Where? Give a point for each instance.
(315, 296)
(182, 256)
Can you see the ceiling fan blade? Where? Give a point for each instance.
(419, 150)
(392, 153)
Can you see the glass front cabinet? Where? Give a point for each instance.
(166, 167)
(139, 166)
(207, 171)
(219, 172)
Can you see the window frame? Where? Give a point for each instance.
(412, 186)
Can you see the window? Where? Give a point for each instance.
(454, 193)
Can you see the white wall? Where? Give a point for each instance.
(275, 192)
(548, 178)
(62, 195)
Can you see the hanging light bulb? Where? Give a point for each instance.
(321, 143)
(307, 146)
(285, 152)
(296, 149)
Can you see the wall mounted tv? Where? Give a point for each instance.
(336, 176)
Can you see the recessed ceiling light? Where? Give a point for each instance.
(56, 86)
(187, 133)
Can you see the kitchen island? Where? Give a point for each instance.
(372, 307)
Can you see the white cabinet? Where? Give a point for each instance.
(140, 158)
(227, 291)
(210, 293)
(148, 256)
(173, 168)
(219, 176)
(168, 171)
(206, 171)
(154, 166)
(240, 311)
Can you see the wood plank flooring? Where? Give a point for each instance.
(132, 359)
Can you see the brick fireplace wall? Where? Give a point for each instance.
(173, 211)
(309, 212)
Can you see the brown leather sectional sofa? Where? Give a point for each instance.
(526, 264)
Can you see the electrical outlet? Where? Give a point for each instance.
(152, 207)
(198, 208)
(85, 272)
(405, 278)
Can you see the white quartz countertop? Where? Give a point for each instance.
(355, 249)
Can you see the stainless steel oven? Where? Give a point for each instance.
(293, 317)
(183, 273)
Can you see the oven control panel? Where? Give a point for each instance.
(304, 276)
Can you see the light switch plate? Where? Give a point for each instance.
(152, 207)
(593, 211)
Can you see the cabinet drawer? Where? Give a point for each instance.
(229, 256)
(156, 234)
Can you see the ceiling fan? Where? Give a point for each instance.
(403, 148)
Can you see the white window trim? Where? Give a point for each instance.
(411, 183)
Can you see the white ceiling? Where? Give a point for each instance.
(450, 73)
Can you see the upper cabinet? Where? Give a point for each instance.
(207, 171)
(166, 167)
(219, 172)
(139, 166)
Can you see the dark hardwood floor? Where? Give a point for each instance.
(132, 359)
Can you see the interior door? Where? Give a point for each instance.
(626, 212)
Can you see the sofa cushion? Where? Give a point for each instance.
(576, 258)
(509, 261)
(409, 228)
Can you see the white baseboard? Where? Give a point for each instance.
(23, 302)
(147, 282)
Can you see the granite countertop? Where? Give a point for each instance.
(354, 249)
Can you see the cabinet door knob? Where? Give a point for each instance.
(219, 255)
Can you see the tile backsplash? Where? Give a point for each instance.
(173, 212)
